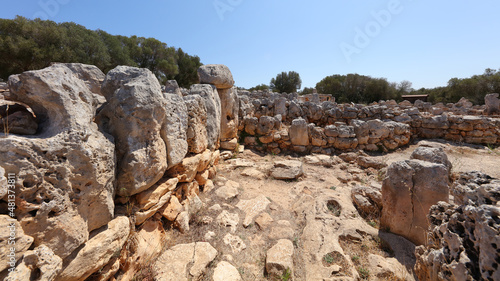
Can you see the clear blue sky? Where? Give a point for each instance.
(425, 42)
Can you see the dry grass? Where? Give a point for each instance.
(359, 251)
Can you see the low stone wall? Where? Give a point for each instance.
(279, 122)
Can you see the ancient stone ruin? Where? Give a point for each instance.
(96, 168)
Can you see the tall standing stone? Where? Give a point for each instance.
(220, 76)
(149, 127)
(213, 107)
(492, 103)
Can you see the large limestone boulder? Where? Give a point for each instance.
(97, 251)
(229, 113)
(65, 173)
(149, 127)
(197, 124)
(226, 272)
(432, 154)
(410, 188)
(218, 75)
(464, 238)
(213, 107)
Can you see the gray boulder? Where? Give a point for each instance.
(65, 173)
(213, 106)
(409, 190)
(229, 113)
(492, 103)
(218, 75)
(298, 132)
(197, 123)
(149, 127)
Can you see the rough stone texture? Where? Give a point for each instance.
(287, 170)
(3, 183)
(218, 75)
(381, 268)
(41, 262)
(142, 216)
(263, 220)
(227, 191)
(410, 188)
(229, 113)
(184, 261)
(280, 258)
(299, 133)
(371, 162)
(97, 251)
(66, 172)
(10, 228)
(432, 154)
(173, 209)
(226, 272)
(368, 200)
(149, 127)
(213, 107)
(151, 197)
(492, 104)
(228, 220)
(172, 87)
(197, 123)
(252, 208)
(17, 119)
(235, 243)
(464, 237)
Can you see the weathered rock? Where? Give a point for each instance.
(252, 208)
(229, 220)
(263, 220)
(464, 238)
(173, 209)
(151, 197)
(3, 183)
(197, 123)
(229, 190)
(253, 173)
(432, 154)
(287, 170)
(17, 119)
(213, 106)
(410, 188)
(11, 232)
(136, 105)
(175, 263)
(371, 162)
(41, 262)
(368, 200)
(186, 170)
(67, 182)
(218, 75)
(229, 113)
(235, 243)
(226, 272)
(142, 216)
(298, 132)
(172, 87)
(381, 268)
(492, 104)
(97, 251)
(279, 259)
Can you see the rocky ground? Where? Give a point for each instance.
(275, 217)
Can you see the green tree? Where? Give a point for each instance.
(307, 91)
(188, 69)
(286, 82)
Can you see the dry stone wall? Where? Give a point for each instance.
(281, 122)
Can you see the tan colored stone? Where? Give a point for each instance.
(97, 251)
(252, 208)
(263, 220)
(151, 197)
(279, 258)
(226, 272)
(11, 231)
(173, 209)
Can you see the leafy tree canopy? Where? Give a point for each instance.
(286, 82)
(33, 44)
